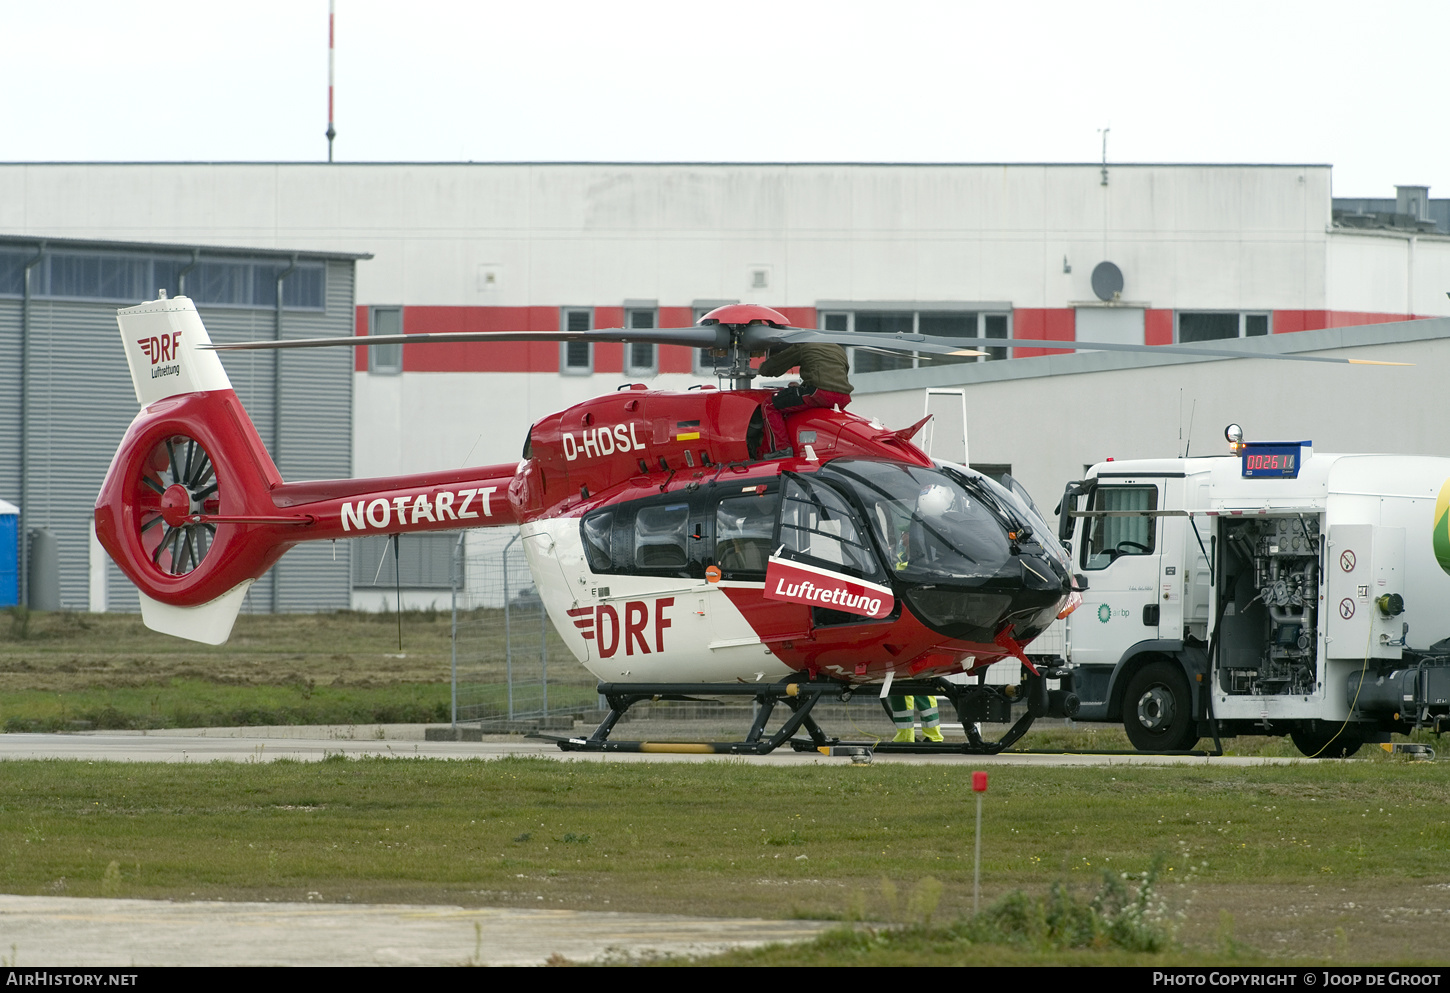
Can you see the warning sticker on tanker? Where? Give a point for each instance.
(1346, 608)
(1346, 560)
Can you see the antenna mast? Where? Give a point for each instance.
(331, 131)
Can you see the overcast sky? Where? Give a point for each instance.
(1360, 86)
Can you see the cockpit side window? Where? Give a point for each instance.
(818, 526)
(1112, 536)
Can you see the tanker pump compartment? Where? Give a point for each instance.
(1272, 590)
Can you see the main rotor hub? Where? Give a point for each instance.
(745, 314)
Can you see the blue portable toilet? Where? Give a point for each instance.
(9, 554)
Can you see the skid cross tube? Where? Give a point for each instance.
(800, 696)
(974, 703)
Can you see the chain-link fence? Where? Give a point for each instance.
(508, 662)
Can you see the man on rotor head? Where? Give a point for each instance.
(823, 370)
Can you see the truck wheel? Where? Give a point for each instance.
(1157, 710)
(1326, 740)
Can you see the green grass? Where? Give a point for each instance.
(64, 670)
(832, 842)
(197, 703)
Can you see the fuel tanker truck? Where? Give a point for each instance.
(1270, 590)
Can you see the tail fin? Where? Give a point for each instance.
(163, 342)
(190, 454)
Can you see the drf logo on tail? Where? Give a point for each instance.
(163, 348)
(602, 625)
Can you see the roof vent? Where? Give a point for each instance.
(1413, 201)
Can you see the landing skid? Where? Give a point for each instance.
(974, 703)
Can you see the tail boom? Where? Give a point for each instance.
(195, 464)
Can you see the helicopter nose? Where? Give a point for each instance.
(1041, 573)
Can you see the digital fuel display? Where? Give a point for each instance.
(1271, 460)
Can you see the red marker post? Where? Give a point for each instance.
(979, 786)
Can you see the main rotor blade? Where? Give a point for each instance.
(762, 337)
(759, 337)
(698, 337)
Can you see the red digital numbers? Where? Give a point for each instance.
(1270, 463)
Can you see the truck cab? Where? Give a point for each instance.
(1271, 590)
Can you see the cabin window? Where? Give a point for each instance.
(744, 526)
(661, 536)
(598, 530)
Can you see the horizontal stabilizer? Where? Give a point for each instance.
(209, 623)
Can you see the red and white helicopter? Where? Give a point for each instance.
(673, 559)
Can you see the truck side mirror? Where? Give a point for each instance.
(1068, 504)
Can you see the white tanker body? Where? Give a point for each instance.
(1274, 590)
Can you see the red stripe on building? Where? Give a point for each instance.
(506, 356)
(1157, 327)
(1286, 321)
(676, 358)
(360, 355)
(1047, 323)
(519, 356)
(608, 357)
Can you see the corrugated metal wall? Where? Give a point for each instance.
(80, 401)
(10, 401)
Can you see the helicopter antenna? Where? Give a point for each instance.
(1191, 411)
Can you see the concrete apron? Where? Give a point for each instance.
(71, 931)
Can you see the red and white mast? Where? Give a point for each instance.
(331, 131)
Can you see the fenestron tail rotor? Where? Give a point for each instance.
(177, 483)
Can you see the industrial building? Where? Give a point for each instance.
(66, 396)
(1196, 252)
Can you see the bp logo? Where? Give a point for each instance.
(1105, 612)
(1441, 533)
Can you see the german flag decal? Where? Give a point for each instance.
(687, 430)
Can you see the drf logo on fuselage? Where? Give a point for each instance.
(602, 625)
(599, 441)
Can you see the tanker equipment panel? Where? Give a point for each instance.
(1269, 595)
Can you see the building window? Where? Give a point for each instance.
(641, 358)
(945, 324)
(1216, 325)
(386, 360)
(73, 275)
(576, 358)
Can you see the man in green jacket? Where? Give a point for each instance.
(824, 384)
